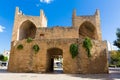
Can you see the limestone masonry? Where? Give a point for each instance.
(56, 41)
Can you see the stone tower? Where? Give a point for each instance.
(87, 24)
(22, 20)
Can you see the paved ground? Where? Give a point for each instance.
(114, 75)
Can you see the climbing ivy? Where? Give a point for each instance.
(74, 50)
(87, 44)
(29, 39)
(20, 46)
(36, 48)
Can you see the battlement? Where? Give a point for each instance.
(41, 19)
(36, 27)
(18, 12)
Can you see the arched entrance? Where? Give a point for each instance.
(87, 29)
(27, 29)
(54, 60)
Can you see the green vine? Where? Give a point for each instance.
(20, 46)
(36, 48)
(29, 39)
(87, 44)
(74, 50)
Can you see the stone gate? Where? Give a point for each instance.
(56, 41)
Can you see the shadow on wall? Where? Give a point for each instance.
(27, 29)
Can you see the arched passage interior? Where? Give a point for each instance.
(87, 29)
(27, 29)
(54, 60)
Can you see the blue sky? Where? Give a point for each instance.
(59, 12)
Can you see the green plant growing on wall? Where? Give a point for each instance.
(20, 46)
(36, 48)
(87, 44)
(74, 50)
(29, 39)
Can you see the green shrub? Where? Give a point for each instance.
(29, 39)
(87, 44)
(74, 50)
(115, 58)
(111, 65)
(118, 64)
(20, 46)
(3, 58)
(36, 48)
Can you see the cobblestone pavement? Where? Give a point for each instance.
(114, 74)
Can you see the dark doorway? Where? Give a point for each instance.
(52, 65)
(54, 60)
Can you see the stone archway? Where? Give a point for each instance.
(87, 29)
(27, 29)
(53, 53)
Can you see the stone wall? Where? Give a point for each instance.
(57, 33)
(26, 60)
(98, 62)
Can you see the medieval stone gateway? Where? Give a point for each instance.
(56, 41)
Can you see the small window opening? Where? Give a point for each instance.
(41, 36)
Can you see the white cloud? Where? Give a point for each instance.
(2, 28)
(37, 5)
(46, 1)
